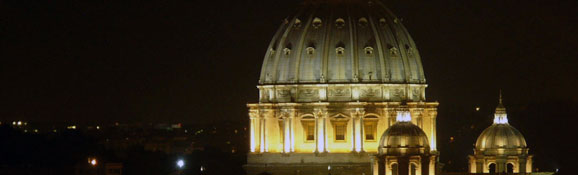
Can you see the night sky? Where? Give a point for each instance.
(198, 62)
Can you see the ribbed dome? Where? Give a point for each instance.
(353, 41)
(500, 136)
(403, 135)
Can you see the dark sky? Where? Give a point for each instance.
(192, 61)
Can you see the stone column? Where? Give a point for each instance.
(374, 164)
(254, 125)
(432, 116)
(320, 117)
(522, 165)
(362, 132)
(262, 136)
(357, 116)
(285, 136)
(432, 164)
(501, 165)
(292, 130)
(288, 115)
(479, 165)
(381, 165)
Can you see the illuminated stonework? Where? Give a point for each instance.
(333, 80)
(501, 148)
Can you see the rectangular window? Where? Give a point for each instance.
(370, 130)
(340, 128)
(310, 131)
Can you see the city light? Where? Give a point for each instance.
(180, 163)
(92, 161)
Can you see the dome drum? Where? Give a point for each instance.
(502, 151)
(342, 92)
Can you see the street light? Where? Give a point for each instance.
(180, 163)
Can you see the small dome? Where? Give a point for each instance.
(404, 135)
(500, 136)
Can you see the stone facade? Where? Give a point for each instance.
(279, 131)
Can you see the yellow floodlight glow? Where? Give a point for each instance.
(92, 161)
(252, 130)
(357, 136)
(287, 143)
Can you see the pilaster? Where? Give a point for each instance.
(320, 127)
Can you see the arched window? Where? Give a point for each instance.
(510, 168)
(317, 22)
(412, 169)
(368, 50)
(492, 168)
(339, 22)
(287, 49)
(382, 22)
(310, 50)
(394, 169)
(297, 23)
(340, 50)
(362, 22)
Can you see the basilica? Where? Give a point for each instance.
(342, 91)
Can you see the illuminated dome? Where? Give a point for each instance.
(343, 42)
(501, 135)
(346, 42)
(502, 146)
(403, 135)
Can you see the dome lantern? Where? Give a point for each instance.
(500, 116)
